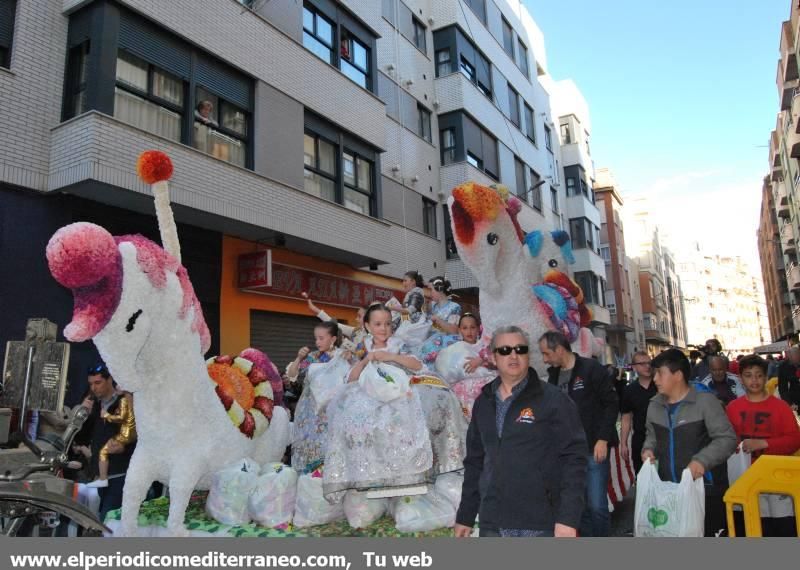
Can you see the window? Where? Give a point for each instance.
(357, 175)
(513, 105)
(572, 189)
(419, 35)
(566, 135)
(535, 190)
(443, 63)
(318, 34)
(354, 59)
(8, 9)
(448, 145)
(220, 128)
(319, 160)
(530, 123)
(75, 89)
(554, 200)
(522, 57)
(519, 176)
(148, 97)
(548, 138)
(474, 161)
(591, 286)
(584, 234)
(479, 7)
(508, 38)
(468, 69)
(584, 188)
(451, 46)
(586, 138)
(605, 253)
(429, 217)
(424, 123)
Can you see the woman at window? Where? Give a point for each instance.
(405, 441)
(204, 113)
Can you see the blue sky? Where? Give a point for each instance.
(682, 97)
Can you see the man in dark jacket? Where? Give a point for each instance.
(525, 468)
(788, 381)
(687, 429)
(587, 384)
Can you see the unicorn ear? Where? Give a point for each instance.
(534, 241)
(562, 240)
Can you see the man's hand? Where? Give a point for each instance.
(88, 403)
(114, 447)
(564, 531)
(600, 450)
(751, 445)
(648, 454)
(82, 450)
(696, 469)
(623, 449)
(463, 531)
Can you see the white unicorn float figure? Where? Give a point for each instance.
(522, 277)
(136, 302)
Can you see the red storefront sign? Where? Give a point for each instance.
(289, 281)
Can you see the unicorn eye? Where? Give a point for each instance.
(552, 263)
(132, 321)
(491, 239)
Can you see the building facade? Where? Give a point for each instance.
(621, 331)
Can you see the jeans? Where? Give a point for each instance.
(596, 520)
(511, 533)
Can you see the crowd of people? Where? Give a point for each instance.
(534, 451)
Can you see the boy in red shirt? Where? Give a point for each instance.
(764, 425)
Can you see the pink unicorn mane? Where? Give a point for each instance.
(85, 258)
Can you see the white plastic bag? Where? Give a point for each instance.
(449, 486)
(311, 508)
(326, 379)
(361, 511)
(666, 509)
(423, 513)
(384, 382)
(738, 463)
(229, 491)
(451, 360)
(413, 334)
(271, 503)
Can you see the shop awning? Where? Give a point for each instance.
(779, 346)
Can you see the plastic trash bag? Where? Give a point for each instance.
(738, 463)
(311, 508)
(361, 511)
(229, 492)
(423, 513)
(326, 379)
(413, 334)
(666, 509)
(271, 503)
(384, 382)
(451, 360)
(449, 486)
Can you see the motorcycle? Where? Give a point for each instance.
(32, 494)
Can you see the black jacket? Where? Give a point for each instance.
(534, 476)
(789, 383)
(593, 392)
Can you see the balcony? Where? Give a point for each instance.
(777, 171)
(793, 277)
(780, 195)
(774, 148)
(786, 86)
(788, 245)
(94, 156)
(600, 315)
(783, 211)
(788, 51)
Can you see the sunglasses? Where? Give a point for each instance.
(648, 363)
(506, 350)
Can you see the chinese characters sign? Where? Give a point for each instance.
(288, 281)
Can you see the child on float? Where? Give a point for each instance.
(388, 446)
(472, 370)
(356, 333)
(410, 322)
(310, 418)
(444, 316)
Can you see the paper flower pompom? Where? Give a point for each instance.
(154, 166)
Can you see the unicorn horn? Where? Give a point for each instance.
(154, 167)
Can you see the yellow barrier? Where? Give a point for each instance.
(770, 474)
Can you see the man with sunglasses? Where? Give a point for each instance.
(587, 384)
(635, 400)
(526, 452)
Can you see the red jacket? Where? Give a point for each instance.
(772, 420)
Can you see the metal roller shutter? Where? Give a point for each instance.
(223, 81)
(147, 42)
(281, 335)
(7, 12)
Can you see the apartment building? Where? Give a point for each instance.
(582, 216)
